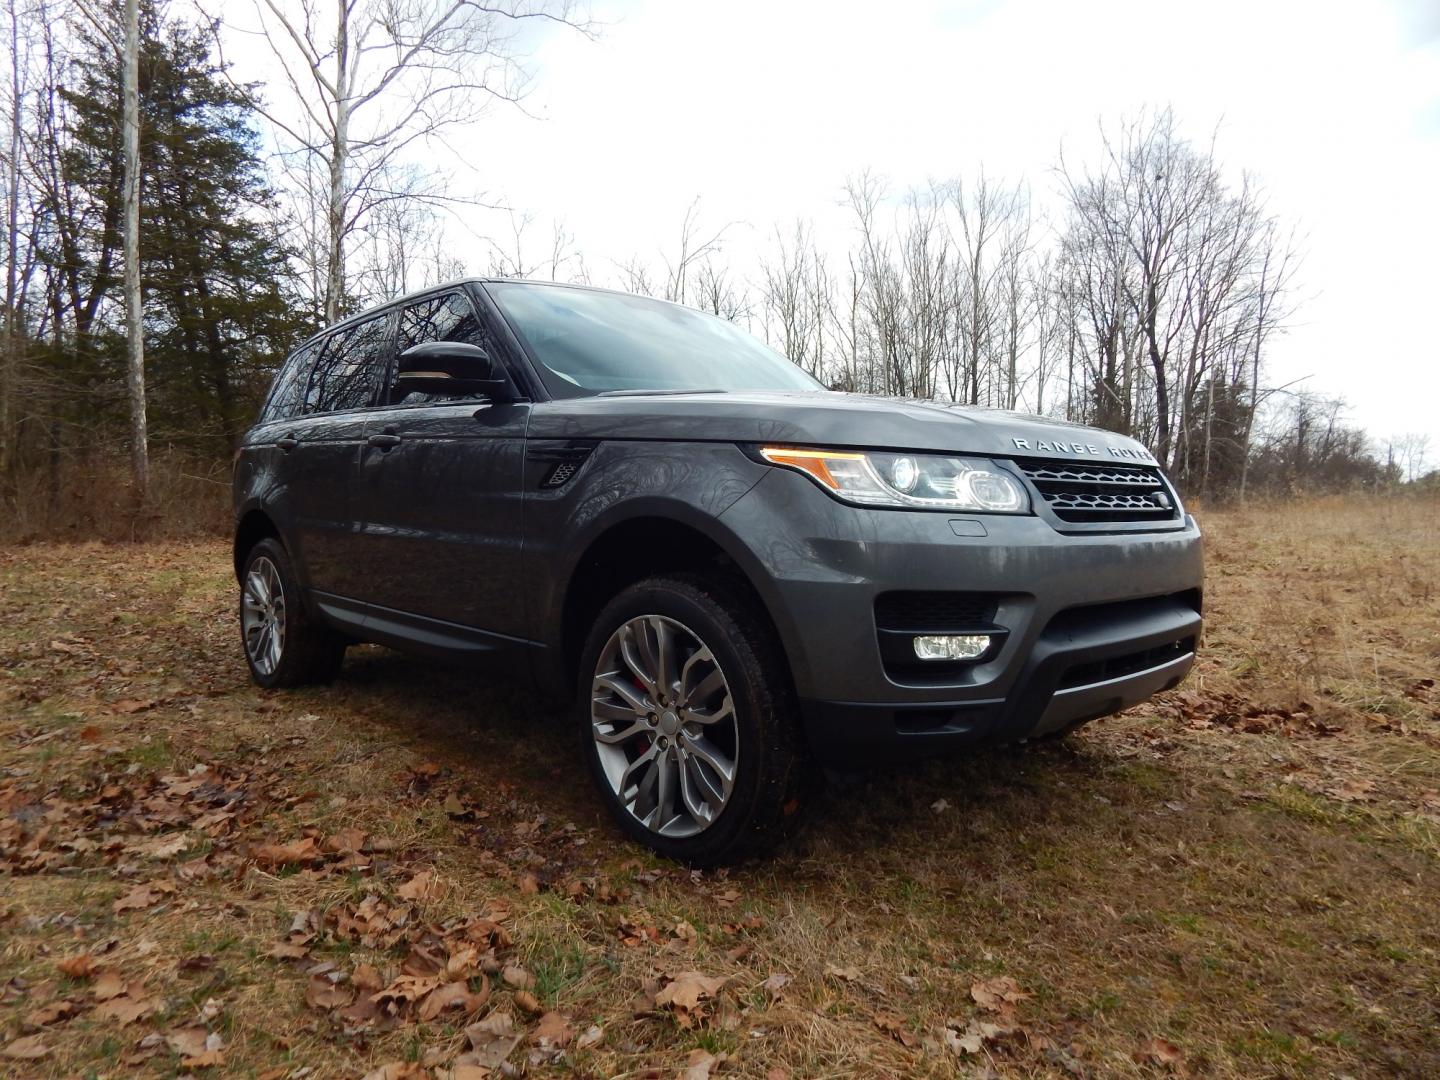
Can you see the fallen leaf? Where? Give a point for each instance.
(493, 1039)
(208, 1059)
(455, 996)
(848, 974)
(1160, 1052)
(78, 967)
(187, 1042)
(423, 886)
(367, 977)
(970, 1043)
(776, 983)
(162, 847)
(591, 1036)
(686, 991)
(698, 1065)
(108, 984)
(464, 1072)
(126, 1009)
(518, 977)
(552, 1032)
(303, 850)
(52, 1013)
(143, 896)
(322, 993)
(529, 1002)
(1352, 790)
(996, 994)
(398, 1070)
(30, 1048)
(345, 840)
(894, 1026)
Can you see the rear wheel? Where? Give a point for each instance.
(687, 720)
(283, 647)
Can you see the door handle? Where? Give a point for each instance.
(385, 440)
(287, 443)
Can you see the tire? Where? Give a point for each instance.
(297, 651)
(722, 649)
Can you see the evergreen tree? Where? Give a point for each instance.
(218, 312)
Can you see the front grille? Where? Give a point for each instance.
(940, 611)
(1079, 491)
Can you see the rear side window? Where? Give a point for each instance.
(348, 370)
(450, 317)
(287, 396)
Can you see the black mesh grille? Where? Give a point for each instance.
(933, 611)
(1083, 492)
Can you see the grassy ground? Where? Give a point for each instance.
(1239, 879)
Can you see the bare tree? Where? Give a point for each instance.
(134, 312)
(9, 342)
(795, 296)
(370, 79)
(560, 259)
(697, 246)
(983, 209)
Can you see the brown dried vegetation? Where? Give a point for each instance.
(403, 875)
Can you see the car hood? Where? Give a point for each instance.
(827, 418)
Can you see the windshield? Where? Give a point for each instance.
(590, 342)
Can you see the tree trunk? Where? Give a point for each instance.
(339, 151)
(134, 315)
(8, 365)
(1162, 387)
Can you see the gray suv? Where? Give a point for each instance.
(734, 574)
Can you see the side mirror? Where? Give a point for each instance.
(451, 369)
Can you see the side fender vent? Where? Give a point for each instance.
(563, 460)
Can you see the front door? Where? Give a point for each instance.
(439, 495)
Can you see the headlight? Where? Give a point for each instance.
(912, 481)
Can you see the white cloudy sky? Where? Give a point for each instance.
(762, 109)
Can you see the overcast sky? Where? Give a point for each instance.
(763, 107)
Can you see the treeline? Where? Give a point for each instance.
(1148, 306)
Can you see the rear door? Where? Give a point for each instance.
(441, 492)
(325, 457)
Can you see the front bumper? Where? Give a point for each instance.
(1096, 622)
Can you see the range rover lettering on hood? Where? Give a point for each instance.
(1055, 446)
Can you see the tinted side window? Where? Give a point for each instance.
(288, 394)
(439, 318)
(350, 367)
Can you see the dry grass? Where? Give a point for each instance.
(189, 495)
(1246, 869)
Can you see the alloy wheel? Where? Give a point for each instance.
(262, 615)
(663, 720)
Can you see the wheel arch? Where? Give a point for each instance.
(638, 547)
(254, 525)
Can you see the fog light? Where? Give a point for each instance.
(952, 646)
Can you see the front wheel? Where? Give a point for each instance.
(283, 647)
(687, 720)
